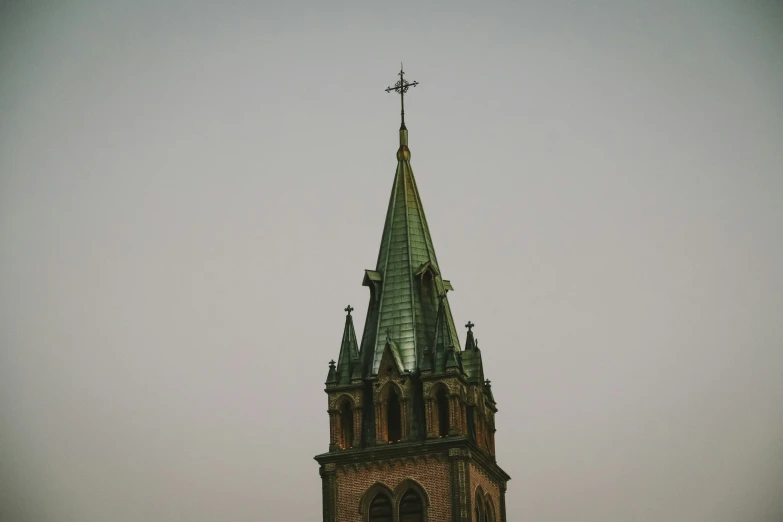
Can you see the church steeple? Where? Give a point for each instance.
(407, 279)
(411, 417)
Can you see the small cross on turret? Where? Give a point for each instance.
(470, 326)
(349, 309)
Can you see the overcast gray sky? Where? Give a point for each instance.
(190, 192)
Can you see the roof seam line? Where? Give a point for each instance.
(383, 283)
(403, 163)
(434, 258)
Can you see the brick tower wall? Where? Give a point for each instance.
(479, 478)
(433, 475)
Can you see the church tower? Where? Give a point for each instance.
(411, 417)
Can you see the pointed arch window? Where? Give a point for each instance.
(490, 509)
(484, 508)
(381, 508)
(393, 416)
(411, 507)
(443, 411)
(479, 513)
(346, 425)
(411, 502)
(428, 290)
(480, 507)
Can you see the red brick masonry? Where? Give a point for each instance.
(433, 476)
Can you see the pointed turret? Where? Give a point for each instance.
(470, 342)
(471, 357)
(331, 377)
(407, 279)
(348, 361)
(488, 391)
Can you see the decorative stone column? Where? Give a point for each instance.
(405, 431)
(454, 421)
(334, 429)
(479, 421)
(329, 492)
(357, 427)
(492, 431)
(381, 437)
(429, 406)
(502, 502)
(460, 484)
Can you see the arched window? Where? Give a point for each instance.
(394, 416)
(428, 288)
(489, 508)
(346, 425)
(411, 507)
(443, 412)
(381, 508)
(481, 514)
(412, 502)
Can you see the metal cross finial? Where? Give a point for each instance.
(470, 326)
(402, 87)
(349, 309)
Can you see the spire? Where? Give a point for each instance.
(407, 280)
(349, 354)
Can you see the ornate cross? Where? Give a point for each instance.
(402, 87)
(470, 326)
(349, 309)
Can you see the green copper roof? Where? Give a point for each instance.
(406, 282)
